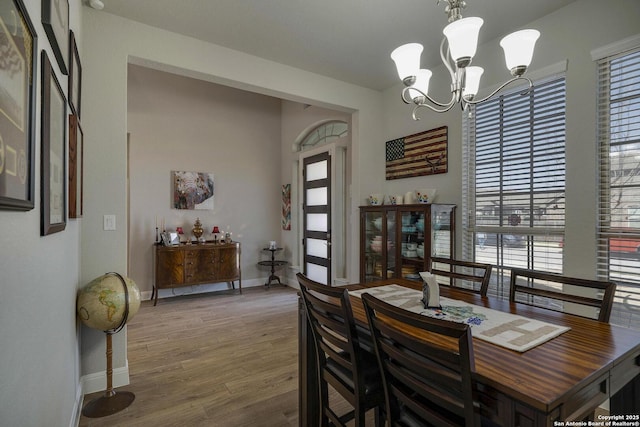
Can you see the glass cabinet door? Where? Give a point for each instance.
(412, 241)
(373, 245)
(441, 230)
(391, 245)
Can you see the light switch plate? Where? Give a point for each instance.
(109, 222)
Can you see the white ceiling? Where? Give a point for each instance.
(348, 40)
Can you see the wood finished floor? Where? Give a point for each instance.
(219, 359)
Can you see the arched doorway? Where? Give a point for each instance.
(322, 179)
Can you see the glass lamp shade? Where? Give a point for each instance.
(518, 48)
(472, 81)
(462, 36)
(407, 59)
(422, 83)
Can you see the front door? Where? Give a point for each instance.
(316, 208)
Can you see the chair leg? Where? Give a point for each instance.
(324, 404)
(379, 417)
(359, 419)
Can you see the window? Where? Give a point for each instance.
(514, 181)
(619, 201)
(324, 133)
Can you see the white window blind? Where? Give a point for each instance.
(514, 183)
(619, 189)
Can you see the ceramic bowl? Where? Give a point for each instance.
(377, 223)
(426, 195)
(395, 199)
(376, 199)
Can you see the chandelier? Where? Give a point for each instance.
(457, 49)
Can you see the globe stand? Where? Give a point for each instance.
(111, 401)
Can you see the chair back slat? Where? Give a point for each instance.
(551, 291)
(427, 366)
(466, 275)
(341, 360)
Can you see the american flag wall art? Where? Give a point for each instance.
(423, 153)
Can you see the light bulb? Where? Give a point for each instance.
(407, 59)
(518, 50)
(422, 83)
(462, 36)
(472, 82)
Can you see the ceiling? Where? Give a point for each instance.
(349, 40)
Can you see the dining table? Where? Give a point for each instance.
(556, 383)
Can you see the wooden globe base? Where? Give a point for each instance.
(108, 405)
(111, 401)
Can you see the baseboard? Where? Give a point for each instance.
(210, 287)
(77, 407)
(92, 383)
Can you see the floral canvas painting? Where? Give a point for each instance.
(192, 190)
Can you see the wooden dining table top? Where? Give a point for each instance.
(553, 372)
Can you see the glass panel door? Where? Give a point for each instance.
(317, 219)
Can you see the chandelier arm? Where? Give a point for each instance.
(502, 86)
(446, 61)
(410, 100)
(432, 108)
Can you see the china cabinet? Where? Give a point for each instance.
(399, 240)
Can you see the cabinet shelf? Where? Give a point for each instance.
(390, 228)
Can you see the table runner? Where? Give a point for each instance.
(497, 327)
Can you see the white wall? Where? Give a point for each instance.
(39, 350)
(569, 34)
(111, 43)
(179, 123)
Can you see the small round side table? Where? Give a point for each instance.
(273, 263)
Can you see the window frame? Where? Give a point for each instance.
(612, 262)
(533, 235)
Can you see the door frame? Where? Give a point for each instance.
(339, 201)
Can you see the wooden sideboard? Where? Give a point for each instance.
(186, 265)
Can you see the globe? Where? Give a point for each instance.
(107, 303)
(101, 304)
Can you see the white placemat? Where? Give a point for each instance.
(497, 327)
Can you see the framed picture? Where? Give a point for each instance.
(192, 190)
(53, 167)
(75, 77)
(76, 146)
(55, 20)
(170, 238)
(17, 107)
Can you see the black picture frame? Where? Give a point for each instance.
(53, 166)
(55, 20)
(76, 165)
(75, 77)
(18, 43)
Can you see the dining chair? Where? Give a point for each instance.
(427, 379)
(548, 290)
(466, 275)
(342, 363)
